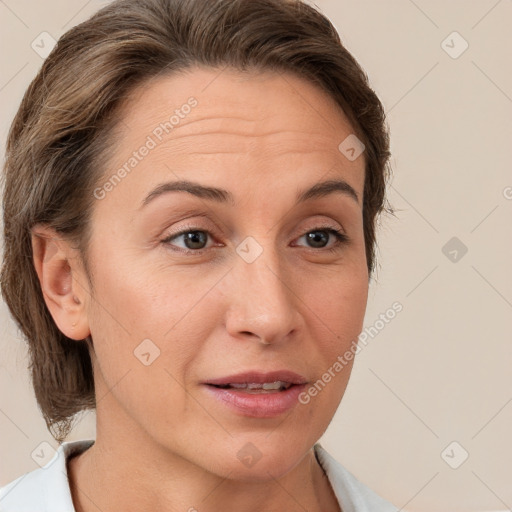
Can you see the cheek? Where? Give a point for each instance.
(339, 300)
(339, 310)
(141, 315)
(146, 334)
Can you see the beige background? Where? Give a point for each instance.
(441, 370)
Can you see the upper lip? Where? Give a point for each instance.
(259, 377)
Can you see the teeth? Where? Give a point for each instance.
(274, 385)
(277, 385)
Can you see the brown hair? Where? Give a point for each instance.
(64, 129)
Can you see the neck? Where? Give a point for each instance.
(117, 474)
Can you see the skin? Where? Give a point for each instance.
(162, 443)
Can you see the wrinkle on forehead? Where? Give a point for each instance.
(253, 104)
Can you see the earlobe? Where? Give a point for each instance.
(61, 281)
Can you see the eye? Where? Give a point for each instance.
(319, 238)
(194, 239)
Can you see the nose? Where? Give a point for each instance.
(263, 303)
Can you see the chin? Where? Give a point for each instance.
(259, 458)
(268, 468)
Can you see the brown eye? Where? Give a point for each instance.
(318, 238)
(194, 239)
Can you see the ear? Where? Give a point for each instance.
(63, 281)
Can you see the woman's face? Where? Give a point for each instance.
(258, 283)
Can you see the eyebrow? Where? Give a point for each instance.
(220, 195)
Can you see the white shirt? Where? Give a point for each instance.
(46, 489)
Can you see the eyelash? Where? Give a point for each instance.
(341, 239)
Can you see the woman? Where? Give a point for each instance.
(190, 202)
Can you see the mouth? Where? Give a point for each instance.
(256, 394)
(258, 381)
(256, 388)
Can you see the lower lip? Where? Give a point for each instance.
(261, 405)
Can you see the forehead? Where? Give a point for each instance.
(275, 126)
(257, 103)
